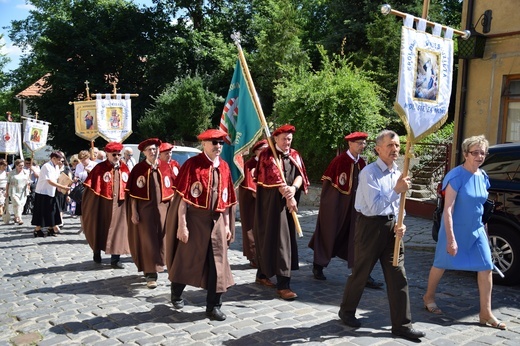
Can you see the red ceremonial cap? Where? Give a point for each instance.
(287, 128)
(260, 145)
(165, 146)
(147, 142)
(212, 134)
(354, 136)
(113, 147)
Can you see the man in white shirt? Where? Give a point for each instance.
(128, 157)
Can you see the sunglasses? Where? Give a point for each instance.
(115, 155)
(476, 153)
(215, 142)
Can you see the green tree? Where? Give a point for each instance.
(75, 41)
(181, 111)
(277, 30)
(325, 106)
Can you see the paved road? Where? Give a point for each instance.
(52, 293)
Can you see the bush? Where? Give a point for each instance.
(324, 106)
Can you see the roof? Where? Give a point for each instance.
(34, 90)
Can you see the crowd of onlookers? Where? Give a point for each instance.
(18, 182)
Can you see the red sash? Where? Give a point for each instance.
(339, 172)
(101, 179)
(138, 183)
(194, 178)
(268, 175)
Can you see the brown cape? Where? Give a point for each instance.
(104, 220)
(146, 239)
(186, 263)
(334, 233)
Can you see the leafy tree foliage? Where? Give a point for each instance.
(324, 106)
(154, 51)
(277, 30)
(180, 111)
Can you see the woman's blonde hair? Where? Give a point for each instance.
(83, 154)
(474, 140)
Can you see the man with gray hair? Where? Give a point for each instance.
(128, 157)
(377, 203)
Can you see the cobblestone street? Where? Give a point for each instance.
(52, 293)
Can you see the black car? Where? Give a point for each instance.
(503, 168)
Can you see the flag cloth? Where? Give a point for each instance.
(11, 138)
(114, 117)
(35, 134)
(241, 122)
(425, 78)
(85, 123)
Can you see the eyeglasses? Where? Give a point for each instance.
(115, 154)
(129, 154)
(217, 142)
(360, 142)
(476, 153)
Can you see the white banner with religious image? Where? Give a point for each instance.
(114, 117)
(425, 78)
(35, 134)
(11, 138)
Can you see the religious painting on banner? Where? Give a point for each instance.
(425, 78)
(35, 134)
(85, 120)
(240, 120)
(11, 138)
(114, 117)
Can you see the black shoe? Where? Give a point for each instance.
(408, 333)
(371, 283)
(318, 273)
(178, 303)
(39, 233)
(51, 233)
(349, 320)
(117, 265)
(216, 314)
(97, 257)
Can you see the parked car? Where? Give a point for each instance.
(503, 168)
(181, 154)
(502, 165)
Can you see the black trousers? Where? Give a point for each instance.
(374, 240)
(213, 299)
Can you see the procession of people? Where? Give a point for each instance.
(182, 218)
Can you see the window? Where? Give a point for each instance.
(511, 109)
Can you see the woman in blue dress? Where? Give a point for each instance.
(463, 242)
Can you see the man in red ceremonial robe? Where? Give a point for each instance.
(277, 195)
(104, 197)
(247, 200)
(200, 226)
(165, 154)
(335, 227)
(150, 190)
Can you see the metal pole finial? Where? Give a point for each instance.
(386, 9)
(236, 37)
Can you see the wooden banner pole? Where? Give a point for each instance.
(260, 113)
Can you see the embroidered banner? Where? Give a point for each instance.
(11, 138)
(85, 120)
(35, 134)
(114, 117)
(425, 78)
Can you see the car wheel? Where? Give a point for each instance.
(505, 250)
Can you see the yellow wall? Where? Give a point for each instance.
(486, 75)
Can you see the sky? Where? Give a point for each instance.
(17, 10)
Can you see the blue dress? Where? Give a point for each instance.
(473, 252)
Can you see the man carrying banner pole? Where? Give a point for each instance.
(424, 88)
